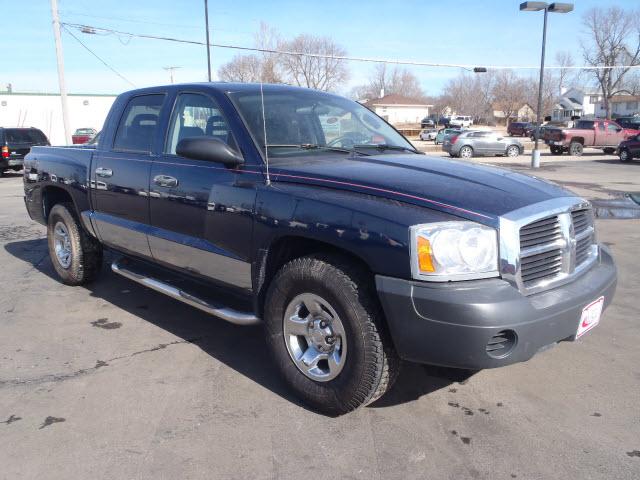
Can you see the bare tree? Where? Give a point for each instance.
(509, 93)
(613, 42)
(550, 92)
(242, 68)
(390, 80)
(314, 72)
(263, 67)
(565, 75)
(471, 94)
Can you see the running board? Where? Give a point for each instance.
(228, 314)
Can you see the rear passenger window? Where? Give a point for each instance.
(139, 124)
(197, 115)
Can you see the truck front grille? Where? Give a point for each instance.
(554, 247)
(540, 252)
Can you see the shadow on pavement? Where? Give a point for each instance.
(240, 348)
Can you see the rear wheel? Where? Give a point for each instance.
(513, 151)
(324, 328)
(76, 256)
(575, 149)
(466, 152)
(624, 155)
(556, 150)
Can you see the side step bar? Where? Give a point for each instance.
(228, 314)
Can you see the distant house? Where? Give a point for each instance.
(576, 102)
(398, 109)
(525, 113)
(621, 106)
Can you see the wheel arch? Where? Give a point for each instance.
(53, 195)
(290, 247)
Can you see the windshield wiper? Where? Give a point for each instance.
(383, 146)
(314, 146)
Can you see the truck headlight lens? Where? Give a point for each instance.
(446, 251)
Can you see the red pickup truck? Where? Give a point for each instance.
(604, 134)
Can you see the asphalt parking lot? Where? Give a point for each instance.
(116, 381)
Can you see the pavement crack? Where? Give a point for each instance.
(55, 378)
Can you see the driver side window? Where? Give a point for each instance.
(197, 115)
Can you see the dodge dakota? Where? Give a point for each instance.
(306, 212)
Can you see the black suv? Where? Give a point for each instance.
(15, 143)
(632, 123)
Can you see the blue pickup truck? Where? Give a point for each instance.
(306, 212)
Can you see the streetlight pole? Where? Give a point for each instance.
(206, 21)
(535, 155)
(555, 7)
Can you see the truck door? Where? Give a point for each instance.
(615, 135)
(120, 179)
(201, 211)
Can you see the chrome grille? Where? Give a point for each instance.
(554, 247)
(538, 257)
(547, 244)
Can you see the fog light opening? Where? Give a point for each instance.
(502, 344)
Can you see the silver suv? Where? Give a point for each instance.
(474, 142)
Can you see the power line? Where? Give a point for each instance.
(93, 29)
(96, 55)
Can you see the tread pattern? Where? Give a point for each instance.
(381, 366)
(87, 257)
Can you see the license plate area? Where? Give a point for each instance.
(590, 317)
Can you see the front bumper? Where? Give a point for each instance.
(450, 324)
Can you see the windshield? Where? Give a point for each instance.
(307, 121)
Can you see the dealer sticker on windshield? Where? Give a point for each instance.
(590, 316)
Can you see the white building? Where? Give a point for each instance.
(44, 111)
(576, 102)
(398, 109)
(621, 106)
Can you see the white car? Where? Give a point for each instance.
(428, 134)
(461, 121)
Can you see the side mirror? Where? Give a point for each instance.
(209, 149)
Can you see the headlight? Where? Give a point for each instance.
(446, 251)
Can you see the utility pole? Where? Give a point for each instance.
(206, 21)
(60, 59)
(170, 70)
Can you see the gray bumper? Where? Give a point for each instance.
(450, 324)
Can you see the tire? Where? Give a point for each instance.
(624, 155)
(556, 150)
(76, 256)
(368, 363)
(465, 152)
(609, 151)
(575, 149)
(513, 151)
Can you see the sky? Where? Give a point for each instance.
(473, 32)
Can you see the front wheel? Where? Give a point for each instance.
(76, 256)
(624, 155)
(324, 328)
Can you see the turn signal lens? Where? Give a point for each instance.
(425, 261)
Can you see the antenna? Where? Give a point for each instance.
(264, 129)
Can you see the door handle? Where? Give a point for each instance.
(104, 172)
(165, 181)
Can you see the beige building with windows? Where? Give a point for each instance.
(398, 109)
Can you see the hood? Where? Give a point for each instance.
(475, 192)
